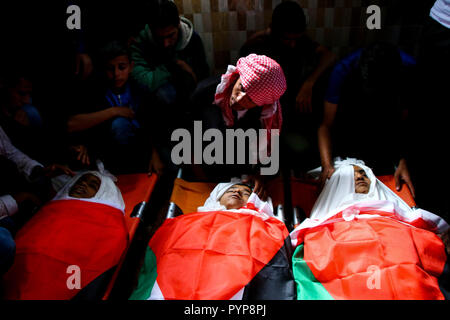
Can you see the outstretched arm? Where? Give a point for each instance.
(325, 143)
(304, 96)
(86, 121)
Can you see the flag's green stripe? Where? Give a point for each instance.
(308, 288)
(147, 277)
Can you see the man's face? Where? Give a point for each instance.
(85, 187)
(166, 37)
(290, 40)
(20, 95)
(239, 99)
(362, 182)
(118, 71)
(235, 197)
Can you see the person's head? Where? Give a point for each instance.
(85, 187)
(239, 99)
(288, 23)
(379, 66)
(362, 181)
(15, 91)
(164, 24)
(236, 196)
(117, 63)
(260, 81)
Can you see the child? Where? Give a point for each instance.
(108, 124)
(18, 117)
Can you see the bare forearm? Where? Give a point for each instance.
(86, 121)
(326, 60)
(324, 138)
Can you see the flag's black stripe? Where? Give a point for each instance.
(96, 289)
(275, 281)
(444, 280)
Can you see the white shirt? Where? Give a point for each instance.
(441, 12)
(25, 165)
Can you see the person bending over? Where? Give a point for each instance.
(245, 97)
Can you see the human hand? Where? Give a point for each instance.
(401, 176)
(259, 185)
(327, 172)
(184, 66)
(20, 116)
(125, 112)
(304, 97)
(82, 154)
(83, 65)
(57, 169)
(156, 165)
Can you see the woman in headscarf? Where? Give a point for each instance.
(76, 238)
(362, 241)
(232, 248)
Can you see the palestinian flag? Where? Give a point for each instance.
(63, 238)
(218, 256)
(370, 252)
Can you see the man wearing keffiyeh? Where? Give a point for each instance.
(247, 96)
(255, 81)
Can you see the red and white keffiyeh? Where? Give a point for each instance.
(263, 80)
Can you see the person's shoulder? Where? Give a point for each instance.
(348, 62)
(206, 89)
(195, 38)
(259, 36)
(407, 60)
(143, 37)
(259, 43)
(353, 56)
(308, 41)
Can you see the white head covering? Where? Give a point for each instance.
(213, 201)
(108, 193)
(339, 194)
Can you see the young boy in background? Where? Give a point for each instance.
(107, 120)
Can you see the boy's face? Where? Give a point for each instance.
(235, 197)
(118, 70)
(85, 187)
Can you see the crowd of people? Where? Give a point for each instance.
(118, 100)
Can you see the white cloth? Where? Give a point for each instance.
(108, 192)
(441, 12)
(339, 194)
(8, 206)
(25, 165)
(213, 201)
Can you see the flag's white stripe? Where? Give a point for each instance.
(156, 293)
(238, 295)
